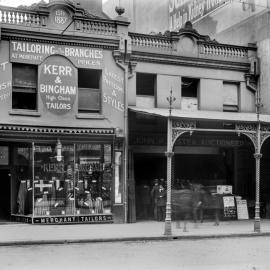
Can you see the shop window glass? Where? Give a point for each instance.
(93, 178)
(75, 181)
(24, 86)
(117, 178)
(21, 188)
(89, 91)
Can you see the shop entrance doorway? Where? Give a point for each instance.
(147, 168)
(4, 195)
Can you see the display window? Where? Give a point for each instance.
(63, 179)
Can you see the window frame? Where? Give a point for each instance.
(26, 89)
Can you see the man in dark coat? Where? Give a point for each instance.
(161, 203)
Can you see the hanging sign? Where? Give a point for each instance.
(58, 84)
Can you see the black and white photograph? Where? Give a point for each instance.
(134, 134)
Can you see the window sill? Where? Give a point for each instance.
(25, 113)
(89, 116)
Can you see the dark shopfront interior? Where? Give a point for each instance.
(5, 195)
(225, 166)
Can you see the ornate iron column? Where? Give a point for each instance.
(169, 155)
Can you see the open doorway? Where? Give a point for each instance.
(4, 195)
(147, 167)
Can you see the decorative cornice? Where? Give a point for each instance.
(138, 56)
(13, 34)
(55, 130)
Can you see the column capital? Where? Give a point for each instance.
(169, 154)
(257, 155)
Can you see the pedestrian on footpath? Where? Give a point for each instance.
(161, 203)
(154, 197)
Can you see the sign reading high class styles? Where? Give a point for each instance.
(58, 84)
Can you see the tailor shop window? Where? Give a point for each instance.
(89, 91)
(24, 87)
(71, 179)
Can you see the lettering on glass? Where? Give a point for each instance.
(115, 83)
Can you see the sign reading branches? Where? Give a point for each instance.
(58, 84)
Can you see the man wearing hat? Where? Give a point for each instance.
(154, 197)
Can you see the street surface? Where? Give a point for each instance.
(215, 254)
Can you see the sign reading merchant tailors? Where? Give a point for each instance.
(35, 53)
(57, 84)
(181, 11)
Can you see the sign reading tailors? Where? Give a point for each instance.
(58, 84)
(35, 53)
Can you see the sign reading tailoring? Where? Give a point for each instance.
(35, 53)
(181, 11)
(58, 84)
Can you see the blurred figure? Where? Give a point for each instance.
(154, 197)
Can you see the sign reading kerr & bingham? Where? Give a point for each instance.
(57, 84)
(35, 53)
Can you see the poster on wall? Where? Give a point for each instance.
(242, 210)
(229, 207)
(57, 84)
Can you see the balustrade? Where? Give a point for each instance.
(150, 42)
(223, 50)
(18, 17)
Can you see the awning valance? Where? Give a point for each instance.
(204, 115)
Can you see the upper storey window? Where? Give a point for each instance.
(230, 97)
(189, 90)
(24, 86)
(145, 90)
(89, 91)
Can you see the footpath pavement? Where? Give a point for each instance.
(12, 234)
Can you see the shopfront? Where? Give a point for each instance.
(62, 117)
(218, 161)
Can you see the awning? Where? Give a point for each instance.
(204, 115)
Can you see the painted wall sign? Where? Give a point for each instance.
(74, 219)
(139, 139)
(115, 83)
(35, 53)
(5, 86)
(57, 84)
(181, 11)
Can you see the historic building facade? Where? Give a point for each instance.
(62, 107)
(89, 109)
